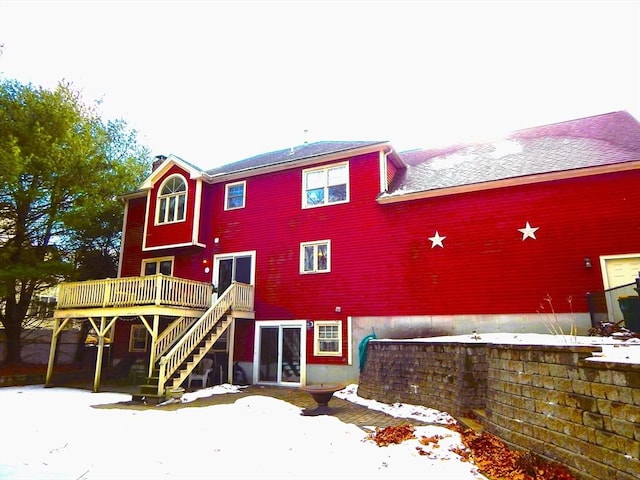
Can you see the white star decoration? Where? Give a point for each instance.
(528, 232)
(437, 240)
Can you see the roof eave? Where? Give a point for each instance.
(131, 195)
(510, 182)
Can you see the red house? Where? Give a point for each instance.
(282, 263)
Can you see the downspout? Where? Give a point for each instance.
(384, 182)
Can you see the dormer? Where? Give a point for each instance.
(174, 192)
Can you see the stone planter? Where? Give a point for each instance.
(176, 393)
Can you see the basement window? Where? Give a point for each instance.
(138, 338)
(328, 338)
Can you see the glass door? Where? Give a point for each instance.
(232, 267)
(279, 359)
(268, 364)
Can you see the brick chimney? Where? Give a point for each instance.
(157, 162)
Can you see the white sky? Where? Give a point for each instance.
(215, 82)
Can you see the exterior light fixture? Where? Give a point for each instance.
(587, 262)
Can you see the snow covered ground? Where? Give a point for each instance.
(56, 434)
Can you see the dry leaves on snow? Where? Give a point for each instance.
(490, 454)
(388, 435)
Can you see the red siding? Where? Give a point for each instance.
(382, 263)
(171, 233)
(132, 254)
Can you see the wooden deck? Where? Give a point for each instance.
(133, 296)
(199, 319)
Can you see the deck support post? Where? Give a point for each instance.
(52, 352)
(154, 339)
(230, 343)
(57, 328)
(100, 332)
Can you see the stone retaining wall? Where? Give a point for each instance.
(446, 376)
(549, 400)
(580, 413)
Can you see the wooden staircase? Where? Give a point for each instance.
(149, 391)
(173, 368)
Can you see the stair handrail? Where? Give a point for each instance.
(181, 374)
(606, 299)
(172, 360)
(171, 334)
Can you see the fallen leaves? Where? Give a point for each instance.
(494, 459)
(388, 435)
(490, 454)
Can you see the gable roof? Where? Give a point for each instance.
(284, 157)
(167, 163)
(608, 140)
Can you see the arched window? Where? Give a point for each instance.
(172, 199)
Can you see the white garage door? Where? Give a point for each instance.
(620, 271)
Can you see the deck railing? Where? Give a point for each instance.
(133, 291)
(604, 306)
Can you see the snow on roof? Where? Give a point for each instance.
(602, 140)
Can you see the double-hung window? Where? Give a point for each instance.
(172, 199)
(235, 195)
(315, 257)
(158, 265)
(328, 338)
(325, 186)
(138, 338)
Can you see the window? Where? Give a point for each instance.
(314, 257)
(234, 195)
(328, 338)
(325, 186)
(158, 265)
(138, 338)
(172, 200)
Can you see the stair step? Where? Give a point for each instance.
(149, 389)
(481, 413)
(474, 419)
(153, 399)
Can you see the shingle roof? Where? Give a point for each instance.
(607, 139)
(287, 155)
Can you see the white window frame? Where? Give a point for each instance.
(315, 245)
(317, 339)
(228, 187)
(325, 169)
(157, 261)
(171, 215)
(133, 338)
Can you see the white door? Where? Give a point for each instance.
(618, 270)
